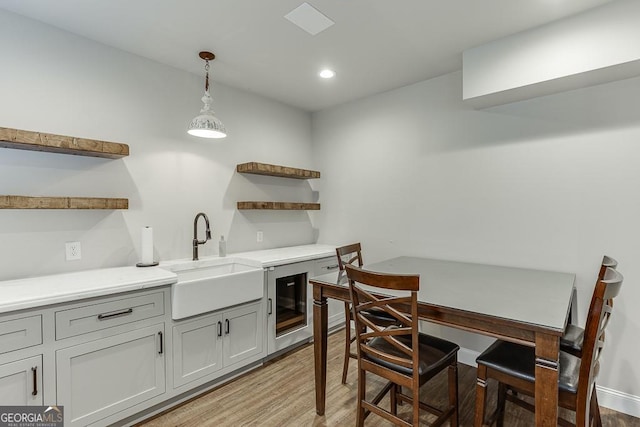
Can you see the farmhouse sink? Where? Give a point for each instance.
(208, 286)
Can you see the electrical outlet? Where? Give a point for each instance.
(259, 236)
(73, 251)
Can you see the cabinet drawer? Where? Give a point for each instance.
(325, 265)
(20, 333)
(108, 314)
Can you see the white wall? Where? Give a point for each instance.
(593, 47)
(53, 81)
(550, 183)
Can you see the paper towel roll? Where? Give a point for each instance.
(147, 245)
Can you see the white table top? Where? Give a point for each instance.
(524, 295)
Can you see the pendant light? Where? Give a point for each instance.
(207, 125)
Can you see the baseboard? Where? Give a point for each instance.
(468, 357)
(619, 401)
(609, 398)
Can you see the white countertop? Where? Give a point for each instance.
(288, 255)
(45, 290)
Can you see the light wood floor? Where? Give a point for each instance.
(281, 393)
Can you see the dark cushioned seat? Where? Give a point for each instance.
(520, 361)
(435, 353)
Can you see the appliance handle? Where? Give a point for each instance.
(270, 309)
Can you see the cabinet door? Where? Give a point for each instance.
(102, 377)
(21, 382)
(243, 333)
(197, 349)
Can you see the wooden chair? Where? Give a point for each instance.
(399, 353)
(513, 365)
(571, 341)
(350, 254)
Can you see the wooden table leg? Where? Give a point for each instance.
(547, 348)
(320, 316)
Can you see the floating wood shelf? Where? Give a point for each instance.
(27, 202)
(282, 206)
(275, 170)
(36, 141)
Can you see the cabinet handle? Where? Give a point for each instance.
(219, 329)
(115, 314)
(332, 267)
(270, 307)
(161, 343)
(35, 380)
(226, 326)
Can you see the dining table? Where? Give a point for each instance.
(521, 305)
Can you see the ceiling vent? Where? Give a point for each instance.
(309, 19)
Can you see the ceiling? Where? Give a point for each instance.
(374, 46)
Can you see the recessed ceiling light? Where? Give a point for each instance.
(327, 73)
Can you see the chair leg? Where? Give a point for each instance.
(502, 402)
(416, 405)
(347, 341)
(595, 409)
(393, 399)
(453, 393)
(361, 395)
(481, 395)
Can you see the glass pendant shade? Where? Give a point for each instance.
(207, 125)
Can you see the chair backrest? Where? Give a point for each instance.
(606, 289)
(402, 339)
(349, 254)
(607, 262)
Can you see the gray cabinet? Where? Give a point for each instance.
(99, 378)
(109, 356)
(197, 348)
(243, 337)
(21, 382)
(21, 360)
(216, 343)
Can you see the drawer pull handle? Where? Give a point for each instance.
(161, 343)
(115, 314)
(35, 380)
(332, 267)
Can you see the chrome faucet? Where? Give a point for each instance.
(197, 242)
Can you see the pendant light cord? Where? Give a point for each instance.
(206, 80)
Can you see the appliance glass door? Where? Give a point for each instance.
(291, 303)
